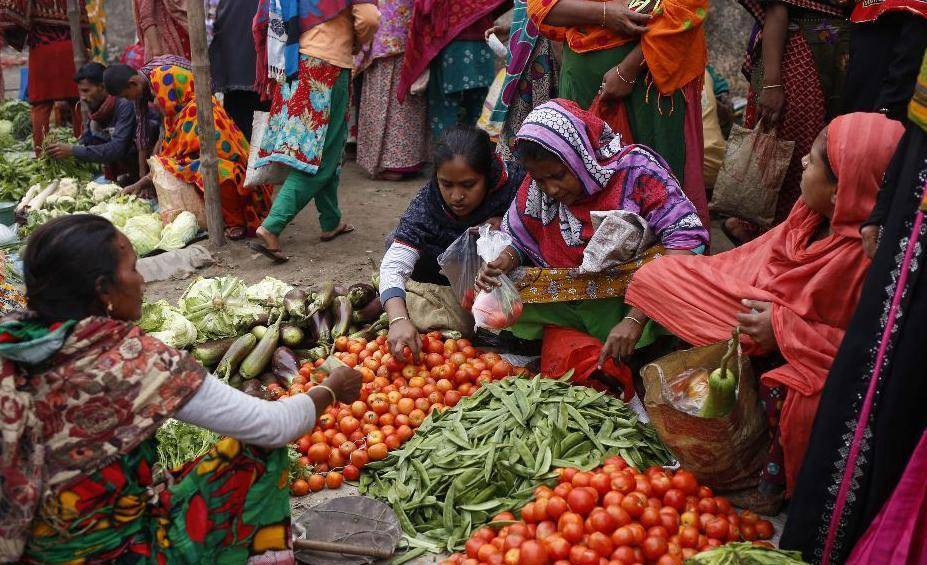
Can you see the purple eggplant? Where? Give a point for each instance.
(368, 313)
(285, 365)
(342, 316)
(361, 294)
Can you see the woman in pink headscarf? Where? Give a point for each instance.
(791, 290)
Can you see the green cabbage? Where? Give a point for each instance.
(176, 331)
(101, 192)
(121, 208)
(144, 232)
(218, 307)
(268, 292)
(178, 233)
(153, 315)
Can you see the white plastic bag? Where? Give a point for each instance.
(273, 173)
(460, 264)
(502, 306)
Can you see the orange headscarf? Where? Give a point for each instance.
(813, 288)
(674, 45)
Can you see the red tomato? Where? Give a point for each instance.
(625, 554)
(724, 505)
(670, 560)
(748, 531)
(556, 506)
(351, 472)
(557, 547)
(572, 532)
(347, 448)
(527, 513)
(501, 370)
(688, 537)
(658, 532)
(619, 515)
(749, 517)
(563, 489)
(545, 529)
(612, 498)
(642, 485)
(567, 474)
(334, 480)
(601, 483)
(601, 521)
(660, 484)
(533, 552)
(582, 479)
(654, 547)
(685, 481)
(623, 484)
(675, 498)
(581, 500)
(601, 544)
(451, 398)
(303, 444)
(623, 536)
(582, 555)
(707, 506)
(719, 529)
(512, 541)
(704, 492)
(485, 551)
(650, 518)
(318, 453)
(473, 545)
(639, 533)
(634, 504)
(484, 533)
(764, 530)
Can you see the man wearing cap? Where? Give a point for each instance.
(109, 129)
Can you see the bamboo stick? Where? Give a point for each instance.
(77, 34)
(196, 24)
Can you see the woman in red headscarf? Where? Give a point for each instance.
(791, 290)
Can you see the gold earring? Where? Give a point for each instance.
(109, 308)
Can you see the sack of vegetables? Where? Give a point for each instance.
(715, 426)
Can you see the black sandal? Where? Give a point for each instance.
(273, 254)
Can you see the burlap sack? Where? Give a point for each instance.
(724, 453)
(749, 180)
(434, 307)
(175, 196)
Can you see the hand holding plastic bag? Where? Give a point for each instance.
(460, 264)
(500, 307)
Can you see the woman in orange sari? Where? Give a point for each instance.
(168, 83)
(652, 60)
(792, 290)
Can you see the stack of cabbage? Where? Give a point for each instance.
(211, 309)
(134, 217)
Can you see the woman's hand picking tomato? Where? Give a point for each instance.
(402, 335)
(488, 277)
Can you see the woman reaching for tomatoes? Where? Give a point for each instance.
(84, 391)
(576, 166)
(471, 186)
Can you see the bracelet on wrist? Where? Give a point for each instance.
(771, 86)
(330, 391)
(398, 319)
(635, 320)
(604, 7)
(626, 81)
(511, 256)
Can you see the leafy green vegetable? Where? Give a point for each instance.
(218, 307)
(176, 330)
(269, 292)
(121, 208)
(179, 443)
(153, 315)
(178, 233)
(488, 453)
(144, 232)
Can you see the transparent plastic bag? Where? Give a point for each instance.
(686, 391)
(460, 264)
(502, 306)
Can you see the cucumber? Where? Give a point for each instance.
(260, 356)
(228, 365)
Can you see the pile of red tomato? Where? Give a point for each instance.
(611, 516)
(395, 399)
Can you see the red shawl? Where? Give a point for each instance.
(435, 23)
(814, 288)
(871, 10)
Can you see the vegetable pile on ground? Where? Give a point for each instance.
(395, 400)
(134, 217)
(15, 126)
(742, 553)
(615, 514)
(19, 173)
(490, 452)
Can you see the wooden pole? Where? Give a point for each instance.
(196, 24)
(77, 34)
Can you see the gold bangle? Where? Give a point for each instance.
(626, 81)
(604, 6)
(398, 319)
(511, 256)
(330, 391)
(771, 86)
(633, 319)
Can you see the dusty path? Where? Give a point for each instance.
(373, 207)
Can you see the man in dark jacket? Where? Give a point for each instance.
(109, 128)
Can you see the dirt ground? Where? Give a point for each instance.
(372, 207)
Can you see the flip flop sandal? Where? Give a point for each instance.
(273, 254)
(342, 230)
(235, 233)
